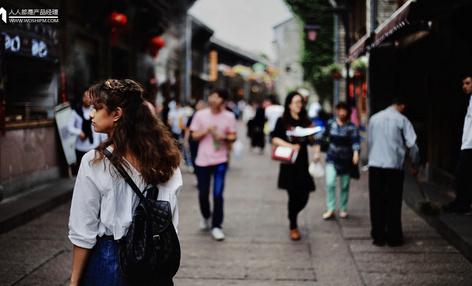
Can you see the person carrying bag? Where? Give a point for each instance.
(150, 252)
(342, 158)
(105, 211)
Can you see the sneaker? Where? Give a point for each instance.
(343, 214)
(328, 215)
(453, 208)
(191, 169)
(217, 233)
(205, 224)
(295, 234)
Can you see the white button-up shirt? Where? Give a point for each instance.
(467, 132)
(386, 145)
(103, 203)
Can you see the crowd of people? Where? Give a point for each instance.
(202, 136)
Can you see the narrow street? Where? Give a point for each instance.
(257, 250)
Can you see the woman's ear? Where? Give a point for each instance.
(117, 113)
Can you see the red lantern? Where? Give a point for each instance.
(116, 21)
(155, 44)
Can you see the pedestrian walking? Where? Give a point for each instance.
(173, 120)
(215, 128)
(294, 177)
(189, 143)
(80, 125)
(272, 114)
(103, 202)
(390, 132)
(257, 129)
(342, 158)
(461, 204)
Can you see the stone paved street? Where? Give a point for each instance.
(257, 250)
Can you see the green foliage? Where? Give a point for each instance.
(332, 68)
(359, 65)
(319, 53)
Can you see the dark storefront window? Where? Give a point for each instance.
(31, 72)
(31, 88)
(82, 69)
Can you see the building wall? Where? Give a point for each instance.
(288, 46)
(29, 156)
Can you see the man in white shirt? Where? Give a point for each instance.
(461, 204)
(80, 125)
(273, 112)
(389, 132)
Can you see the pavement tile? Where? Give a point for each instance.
(55, 272)
(410, 246)
(243, 282)
(406, 266)
(390, 279)
(336, 270)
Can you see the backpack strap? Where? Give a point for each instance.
(124, 174)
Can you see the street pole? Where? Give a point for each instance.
(347, 45)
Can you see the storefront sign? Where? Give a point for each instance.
(29, 43)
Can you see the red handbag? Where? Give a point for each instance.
(284, 154)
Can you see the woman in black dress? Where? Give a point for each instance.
(294, 177)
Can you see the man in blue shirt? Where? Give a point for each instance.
(389, 132)
(461, 204)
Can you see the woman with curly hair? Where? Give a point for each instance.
(103, 203)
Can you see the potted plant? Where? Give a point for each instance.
(359, 66)
(334, 70)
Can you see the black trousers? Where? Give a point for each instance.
(79, 155)
(464, 179)
(385, 199)
(297, 201)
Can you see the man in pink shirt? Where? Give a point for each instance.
(214, 127)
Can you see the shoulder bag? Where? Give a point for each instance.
(150, 251)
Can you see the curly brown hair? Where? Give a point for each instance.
(137, 132)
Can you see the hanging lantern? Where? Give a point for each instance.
(116, 21)
(155, 44)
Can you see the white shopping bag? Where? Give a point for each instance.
(237, 148)
(316, 170)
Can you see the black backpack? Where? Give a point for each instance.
(150, 251)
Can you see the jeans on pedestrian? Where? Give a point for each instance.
(102, 267)
(344, 179)
(204, 179)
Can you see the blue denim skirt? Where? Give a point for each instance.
(102, 266)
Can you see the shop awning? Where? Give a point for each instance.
(395, 22)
